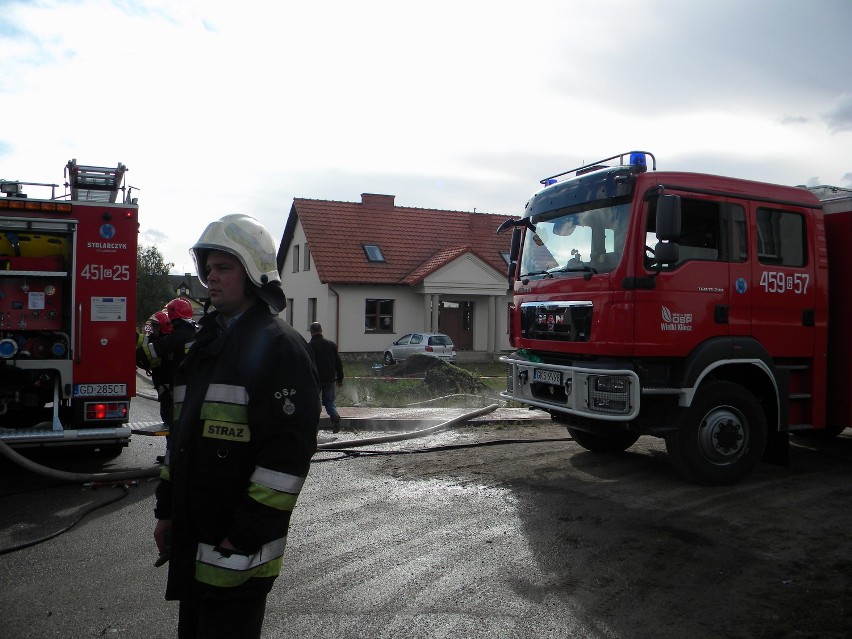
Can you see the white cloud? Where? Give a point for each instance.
(447, 104)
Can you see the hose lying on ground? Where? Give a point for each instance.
(63, 475)
(408, 435)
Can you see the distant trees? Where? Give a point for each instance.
(152, 282)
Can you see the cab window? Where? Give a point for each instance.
(780, 238)
(711, 231)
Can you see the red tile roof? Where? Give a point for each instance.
(415, 241)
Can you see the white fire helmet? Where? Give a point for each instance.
(245, 238)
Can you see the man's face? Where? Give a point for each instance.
(226, 282)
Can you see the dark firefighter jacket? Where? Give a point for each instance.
(247, 406)
(162, 357)
(329, 366)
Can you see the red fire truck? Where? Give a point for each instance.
(68, 310)
(691, 307)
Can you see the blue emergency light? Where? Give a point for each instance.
(638, 159)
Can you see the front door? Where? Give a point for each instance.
(455, 319)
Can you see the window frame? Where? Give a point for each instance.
(373, 321)
(374, 253)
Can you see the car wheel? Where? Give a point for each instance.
(388, 358)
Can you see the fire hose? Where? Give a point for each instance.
(62, 475)
(142, 473)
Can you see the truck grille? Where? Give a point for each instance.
(556, 321)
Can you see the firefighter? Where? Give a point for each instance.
(156, 326)
(163, 354)
(247, 407)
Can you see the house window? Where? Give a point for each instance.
(312, 310)
(307, 265)
(290, 311)
(378, 316)
(373, 252)
(295, 258)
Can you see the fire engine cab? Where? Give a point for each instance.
(68, 310)
(709, 311)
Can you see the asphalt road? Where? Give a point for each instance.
(480, 531)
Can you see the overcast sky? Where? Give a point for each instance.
(221, 107)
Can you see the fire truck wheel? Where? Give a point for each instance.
(720, 439)
(609, 443)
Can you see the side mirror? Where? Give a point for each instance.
(668, 218)
(666, 253)
(510, 223)
(515, 247)
(514, 251)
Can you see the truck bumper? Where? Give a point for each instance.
(607, 394)
(31, 437)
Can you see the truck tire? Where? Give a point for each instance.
(720, 439)
(609, 443)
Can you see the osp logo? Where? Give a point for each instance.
(675, 321)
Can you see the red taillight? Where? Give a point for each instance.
(96, 411)
(429, 349)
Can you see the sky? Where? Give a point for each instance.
(220, 107)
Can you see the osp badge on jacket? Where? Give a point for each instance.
(284, 401)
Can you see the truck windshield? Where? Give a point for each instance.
(584, 241)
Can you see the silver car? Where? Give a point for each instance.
(434, 344)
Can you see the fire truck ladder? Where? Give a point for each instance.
(94, 183)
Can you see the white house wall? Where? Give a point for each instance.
(466, 279)
(302, 286)
(408, 316)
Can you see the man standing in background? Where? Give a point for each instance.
(330, 370)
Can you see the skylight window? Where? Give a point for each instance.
(373, 252)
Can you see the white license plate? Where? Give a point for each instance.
(100, 390)
(547, 377)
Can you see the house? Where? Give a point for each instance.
(190, 287)
(371, 271)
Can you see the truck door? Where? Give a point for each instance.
(783, 284)
(690, 301)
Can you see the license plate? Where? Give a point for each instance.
(100, 390)
(547, 377)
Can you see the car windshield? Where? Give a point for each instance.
(584, 241)
(440, 340)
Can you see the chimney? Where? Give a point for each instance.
(377, 201)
